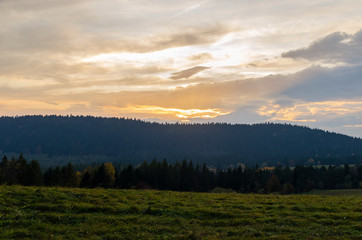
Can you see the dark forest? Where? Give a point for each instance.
(57, 140)
(183, 176)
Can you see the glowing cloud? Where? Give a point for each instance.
(167, 113)
(310, 112)
(190, 60)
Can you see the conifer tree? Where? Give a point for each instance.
(274, 184)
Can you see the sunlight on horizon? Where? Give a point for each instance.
(233, 61)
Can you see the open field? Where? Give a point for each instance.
(338, 192)
(61, 213)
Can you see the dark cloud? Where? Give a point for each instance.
(322, 84)
(334, 48)
(188, 72)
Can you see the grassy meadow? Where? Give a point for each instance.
(71, 213)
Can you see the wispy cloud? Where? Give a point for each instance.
(167, 113)
(223, 60)
(187, 73)
(310, 112)
(201, 57)
(189, 9)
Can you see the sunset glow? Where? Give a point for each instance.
(190, 61)
(168, 113)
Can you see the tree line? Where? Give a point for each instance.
(53, 140)
(182, 176)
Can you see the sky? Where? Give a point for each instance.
(297, 62)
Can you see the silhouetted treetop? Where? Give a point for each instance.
(134, 141)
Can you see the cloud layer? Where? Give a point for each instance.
(234, 61)
(337, 47)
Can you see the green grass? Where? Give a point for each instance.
(338, 192)
(61, 213)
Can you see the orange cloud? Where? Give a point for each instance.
(310, 112)
(166, 113)
(353, 126)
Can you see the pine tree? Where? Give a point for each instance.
(105, 176)
(274, 184)
(69, 176)
(34, 176)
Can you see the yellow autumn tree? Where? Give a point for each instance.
(105, 176)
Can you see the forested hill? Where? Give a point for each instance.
(53, 139)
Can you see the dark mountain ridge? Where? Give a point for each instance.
(84, 139)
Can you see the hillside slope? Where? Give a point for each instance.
(95, 138)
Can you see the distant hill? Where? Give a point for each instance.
(59, 139)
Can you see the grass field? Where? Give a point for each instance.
(61, 213)
(343, 192)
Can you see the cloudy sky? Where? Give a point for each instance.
(192, 61)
